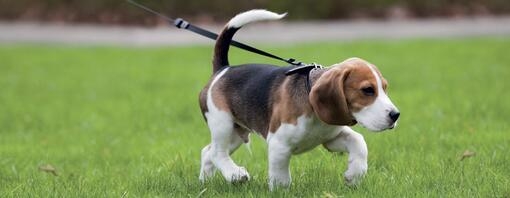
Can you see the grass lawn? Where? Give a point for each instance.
(125, 122)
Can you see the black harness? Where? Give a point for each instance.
(305, 70)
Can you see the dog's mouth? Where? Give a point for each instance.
(393, 125)
(378, 128)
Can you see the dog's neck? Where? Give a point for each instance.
(313, 75)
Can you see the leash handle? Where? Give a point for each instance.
(183, 24)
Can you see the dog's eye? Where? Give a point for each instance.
(368, 91)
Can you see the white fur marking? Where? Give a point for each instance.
(375, 116)
(210, 104)
(252, 16)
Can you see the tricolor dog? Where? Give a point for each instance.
(294, 113)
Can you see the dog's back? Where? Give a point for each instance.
(250, 86)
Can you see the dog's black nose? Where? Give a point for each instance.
(394, 115)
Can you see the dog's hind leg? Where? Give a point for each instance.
(208, 169)
(224, 140)
(354, 143)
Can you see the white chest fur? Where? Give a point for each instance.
(308, 133)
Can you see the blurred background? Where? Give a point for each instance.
(118, 22)
(119, 12)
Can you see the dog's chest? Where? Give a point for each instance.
(308, 133)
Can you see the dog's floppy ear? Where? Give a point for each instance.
(328, 100)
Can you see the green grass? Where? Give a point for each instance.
(125, 122)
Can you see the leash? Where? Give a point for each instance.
(182, 24)
(301, 68)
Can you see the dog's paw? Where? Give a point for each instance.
(355, 173)
(239, 175)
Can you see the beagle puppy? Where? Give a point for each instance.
(293, 113)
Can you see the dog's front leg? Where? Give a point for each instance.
(279, 157)
(354, 143)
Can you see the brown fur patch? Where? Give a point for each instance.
(360, 77)
(218, 96)
(328, 99)
(202, 100)
(287, 106)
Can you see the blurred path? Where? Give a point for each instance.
(275, 32)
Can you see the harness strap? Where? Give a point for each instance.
(305, 70)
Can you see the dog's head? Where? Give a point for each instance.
(351, 92)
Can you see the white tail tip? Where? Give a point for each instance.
(252, 16)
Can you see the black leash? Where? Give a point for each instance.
(182, 24)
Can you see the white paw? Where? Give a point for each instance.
(238, 175)
(355, 172)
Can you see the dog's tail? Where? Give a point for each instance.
(220, 58)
